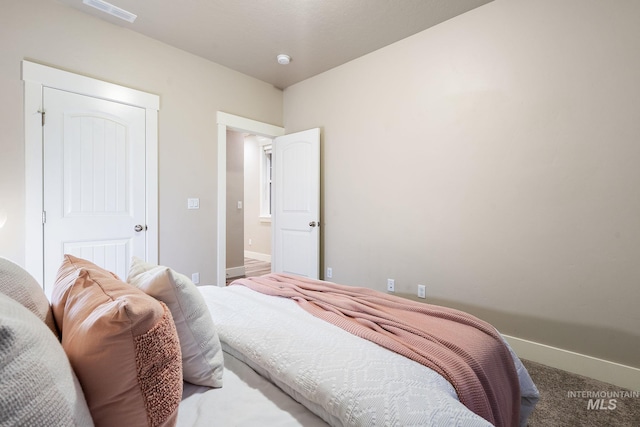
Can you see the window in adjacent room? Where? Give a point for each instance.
(265, 180)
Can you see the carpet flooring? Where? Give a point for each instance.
(564, 401)
(253, 267)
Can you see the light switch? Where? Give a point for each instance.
(193, 203)
(239, 204)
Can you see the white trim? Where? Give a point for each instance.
(36, 77)
(248, 125)
(33, 152)
(233, 272)
(581, 364)
(64, 80)
(257, 255)
(221, 263)
(152, 190)
(228, 121)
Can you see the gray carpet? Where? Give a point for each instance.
(564, 401)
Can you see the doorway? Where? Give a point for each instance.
(248, 205)
(228, 122)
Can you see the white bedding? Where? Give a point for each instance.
(342, 378)
(246, 399)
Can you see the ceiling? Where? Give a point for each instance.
(247, 35)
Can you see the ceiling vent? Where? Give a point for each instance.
(111, 9)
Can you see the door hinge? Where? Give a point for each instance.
(42, 113)
(44, 217)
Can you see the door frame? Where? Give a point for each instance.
(36, 77)
(226, 122)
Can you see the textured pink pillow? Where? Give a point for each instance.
(122, 345)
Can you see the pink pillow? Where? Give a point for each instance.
(122, 345)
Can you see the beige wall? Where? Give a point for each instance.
(496, 159)
(235, 194)
(493, 158)
(259, 231)
(191, 90)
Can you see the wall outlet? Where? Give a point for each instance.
(391, 285)
(329, 272)
(193, 203)
(250, 241)
(195, 278)
(422, 291)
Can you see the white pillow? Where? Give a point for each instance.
(37, 385)
(21, 286)
(202, 359)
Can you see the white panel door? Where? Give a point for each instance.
(94, 182)
(296, 204)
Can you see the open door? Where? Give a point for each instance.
(296, 204)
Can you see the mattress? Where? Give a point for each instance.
(286, 365)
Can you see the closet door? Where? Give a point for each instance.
(94, 182)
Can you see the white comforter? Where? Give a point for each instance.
(246, 400)
(342, 378)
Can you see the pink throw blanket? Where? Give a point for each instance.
(467, 351)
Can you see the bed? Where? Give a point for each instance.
(282, 354)
(157, 350)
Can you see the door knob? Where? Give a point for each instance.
(139, 228)
(313, 224)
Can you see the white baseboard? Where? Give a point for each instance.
(235, 271)
(581, 364)
(258, 256)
